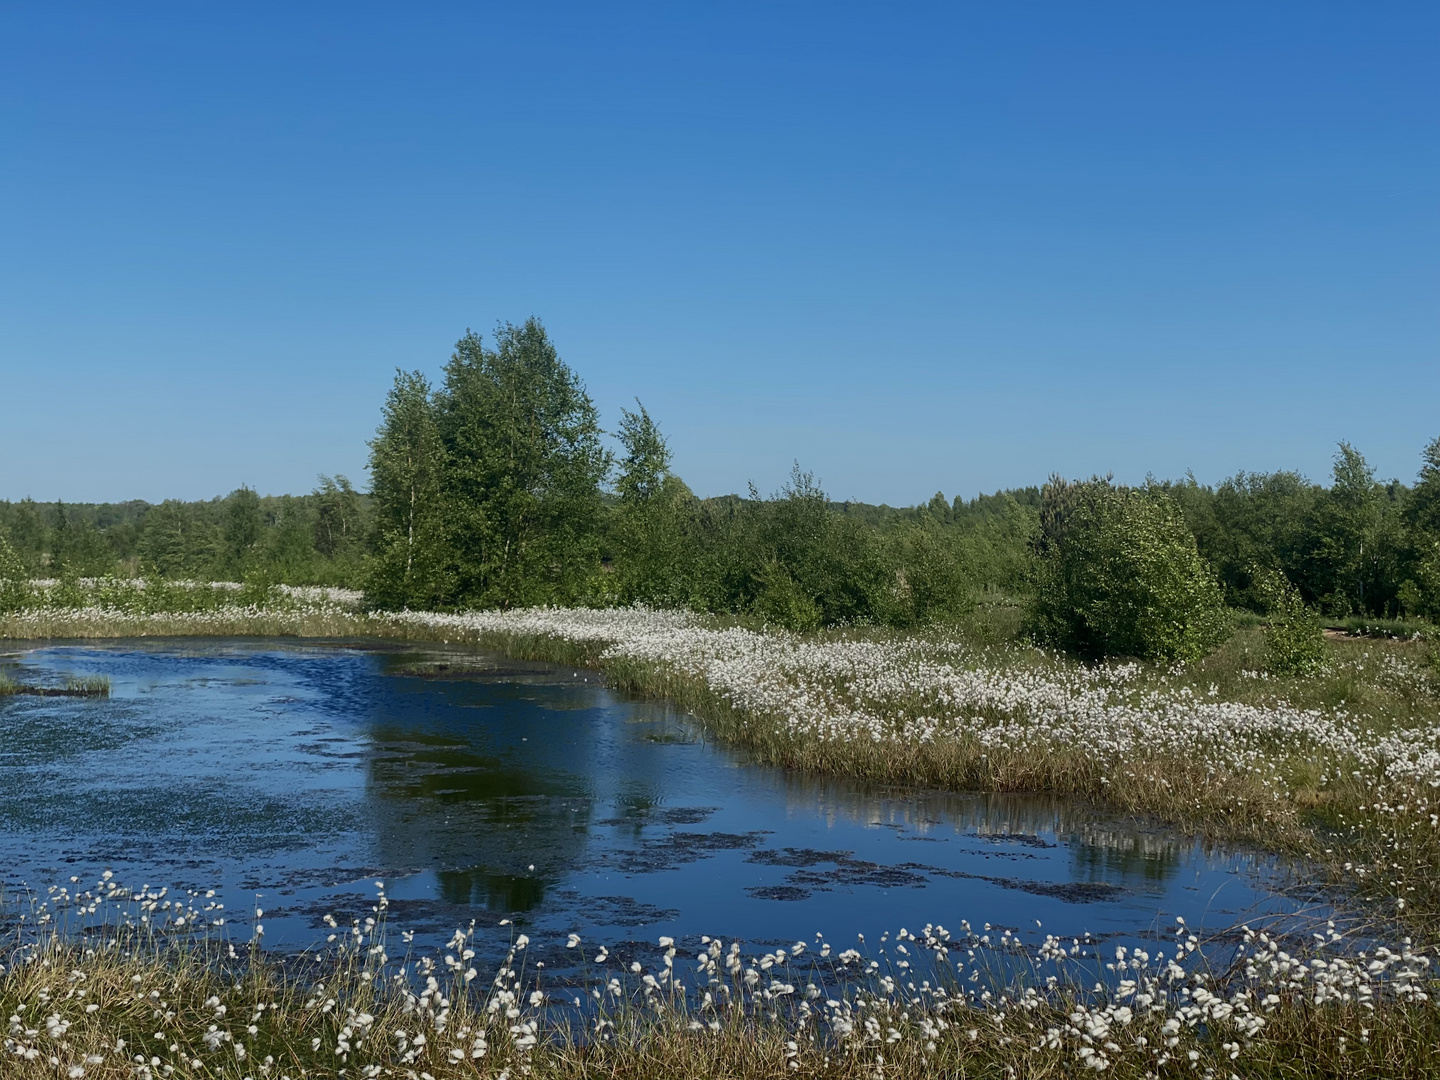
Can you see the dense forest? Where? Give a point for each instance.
(497, 488)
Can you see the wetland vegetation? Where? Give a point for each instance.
(1254, 662)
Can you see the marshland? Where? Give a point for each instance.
(527, 761)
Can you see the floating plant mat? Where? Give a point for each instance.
(527, 796)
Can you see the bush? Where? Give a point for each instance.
(780, 599)
(931, 582)
(1292, 630)
(1117, 573)
(1420, 595)
(14, 581)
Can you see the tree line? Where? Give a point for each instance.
(497, 487)
(315, 539)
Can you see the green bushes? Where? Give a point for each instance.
(933, 577)
(14, 581)
(1292, 630)
(1117, 573)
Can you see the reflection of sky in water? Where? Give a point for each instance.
(516, 789)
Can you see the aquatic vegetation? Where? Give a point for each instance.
(108, 981)
(1351, 785)
(82, 686)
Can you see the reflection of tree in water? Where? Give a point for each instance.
(451, 786)
(494, 827)
(1101, 846)
(494, 892)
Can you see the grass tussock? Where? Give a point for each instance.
(75, 686)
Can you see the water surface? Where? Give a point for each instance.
(482, 789)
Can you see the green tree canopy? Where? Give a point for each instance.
(410, 563)
(523, 468)
(651, 552)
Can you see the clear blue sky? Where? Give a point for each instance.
(950, 247)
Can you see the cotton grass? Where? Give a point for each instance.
(112, 982)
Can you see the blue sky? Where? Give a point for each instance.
(950, 247)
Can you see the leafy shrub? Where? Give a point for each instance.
(1117, 573)
(1292, 630)
(780, 599)
(931, 580)
(14, 581)
(1420, 595)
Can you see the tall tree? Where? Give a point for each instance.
(410, 566)
(1424, 508)
(523, 470)
(1420, 593)
(1354, 540)
(243, 522)
(337, 516)
(177, 542)
(649, 537)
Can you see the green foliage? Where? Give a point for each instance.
(836, 563)
(1117, 573)
(487, 492)
(1351, 556)
(14, 578)
(650, 551)
(241, 535)
(1249, 520)
(337, 518)
(1420, 593)
(523, 468)
(178, 542)
(932, 581)
(410, 566)
(781, 600)
(1292, 630)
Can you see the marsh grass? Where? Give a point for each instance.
(75, 686)
(87, 686)
(112, 983)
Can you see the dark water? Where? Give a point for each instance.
(481, 789)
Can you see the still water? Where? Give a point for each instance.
(482, 789)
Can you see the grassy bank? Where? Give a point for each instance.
(145, 994)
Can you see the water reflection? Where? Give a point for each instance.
(485, 788)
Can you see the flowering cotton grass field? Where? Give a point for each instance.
(1341, 770)
(112, 982)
